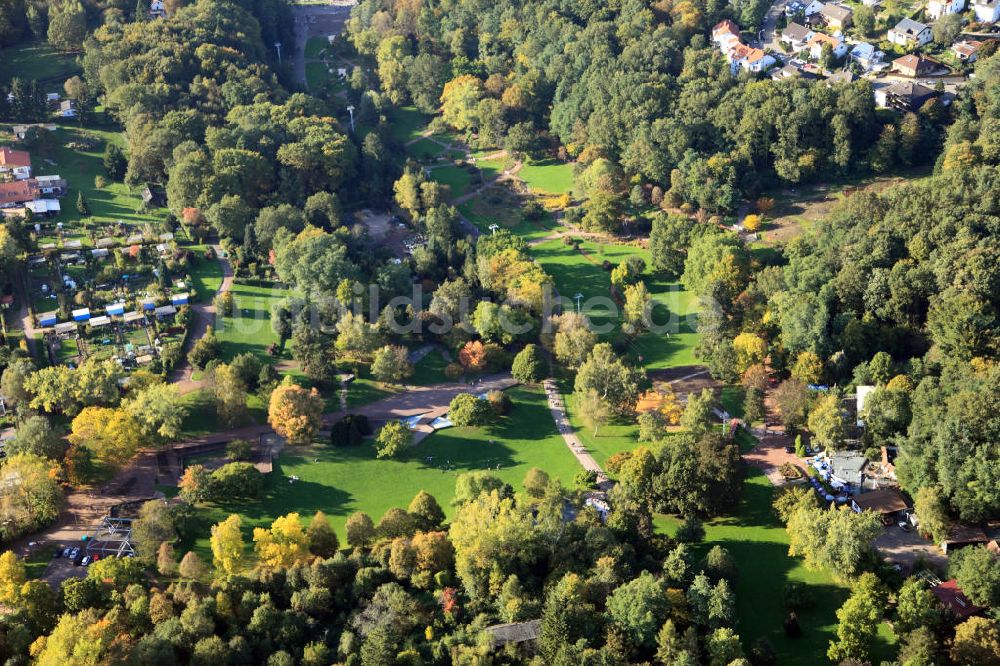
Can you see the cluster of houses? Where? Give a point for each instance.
(20, 191)
(726, 36)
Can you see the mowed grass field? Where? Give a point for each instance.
(340, 481)
(458, 180)
(548, 176)
(408, 123)
(758, 543)
(38, 61)
(248, 328)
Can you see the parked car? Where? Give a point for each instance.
(905, 526)
(85, 561)
(67, 551)
(78, 560)
(74, 553)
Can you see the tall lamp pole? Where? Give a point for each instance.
(277, 47)
(578, 297)
(493, 227)
(350, 110)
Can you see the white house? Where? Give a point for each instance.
(836, 42)
(866, 55)
(966, 50)
(987, 11)
(796, 36)
(813, 7)
(156, 9)
(726, 35)
(14, 164)
(909, 33)
(938, 8)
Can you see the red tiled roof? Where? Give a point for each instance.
(726, 26)
(14, 158)
(954, 599)
(19, 191)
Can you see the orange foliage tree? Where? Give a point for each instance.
(473, 356)
(295, 413)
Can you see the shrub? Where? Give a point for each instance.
(236, 480)
(468, 410)
(500, 402)
(585, 479)
(454, 370)
(239, 450)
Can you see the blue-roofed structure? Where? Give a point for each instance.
(116, 309)
(83, 314)
(48, 318)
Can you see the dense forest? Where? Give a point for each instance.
(637, 84)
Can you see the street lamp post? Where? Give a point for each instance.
(277, 47)
(493, 227)
(578, 297)
(350, 110)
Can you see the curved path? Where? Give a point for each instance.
(576, 447)
(202, 316)
(137, 481)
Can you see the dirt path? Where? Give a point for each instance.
(316, 21)
(202, 316)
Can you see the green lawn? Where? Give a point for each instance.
(249, 327)
(574, 273)
(457, 179)
(759, 544)
(344, 480)
(206, 274)
(38, 61)
(318, 75)
(408, 123)
(429, 370)
(424, 149)
(483, 212)
(316, 46)
(36, 563)
(110, 204)
(549, 176)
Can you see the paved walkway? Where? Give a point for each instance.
(137, 481)
(558, 409)
(202, 316)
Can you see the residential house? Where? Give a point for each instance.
(909, 34)
(836, 42)
(726, 35)
(790, 71)
(14, 164)
(866, 55)
(938, 8)
(903, 96)
(796, 36)
(848, 468)
(756, 61)
(986, 11)
(913, 65)
(67, 109)
(17, 193)
(840, 76)
(837, 16)
(157, 10)
(966, 50)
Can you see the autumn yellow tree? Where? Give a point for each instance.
(752, 223)
(12, 577)
(460, 101)
(808, 367)
(284, 544)
(295, 413)
(111, 435)
(227, 545)
(750, 350)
